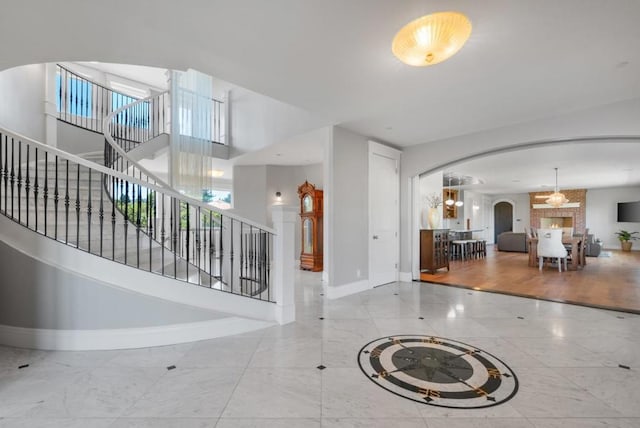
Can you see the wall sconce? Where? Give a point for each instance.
(278, 197)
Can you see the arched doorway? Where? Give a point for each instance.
(502, 219)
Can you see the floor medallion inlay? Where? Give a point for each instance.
(438, 371)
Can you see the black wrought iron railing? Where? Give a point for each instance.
(230, 249)
(131, 220)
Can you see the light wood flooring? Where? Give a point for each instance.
(605, 282)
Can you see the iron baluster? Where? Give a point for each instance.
(78, 206)
(101, 211)
(27, 186)
(66, 205)
(89, 213)
(19, 180)
(56, 198)
(12, 175)
(45, 193)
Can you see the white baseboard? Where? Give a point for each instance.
(335, 292)
(125, 338)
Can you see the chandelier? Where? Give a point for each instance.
(556, 199)
(431, 39)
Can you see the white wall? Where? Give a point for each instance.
(286, 179)
(258, 121)
(602, 213)
(346, 213)
(34, 294)
(250, 192)
(254, 189)
(614, 119)
(23, 95)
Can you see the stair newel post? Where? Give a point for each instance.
(284, 220)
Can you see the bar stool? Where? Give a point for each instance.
(470, 245)
(457, 249)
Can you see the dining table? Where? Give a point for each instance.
(578, 259)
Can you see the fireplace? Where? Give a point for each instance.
(576, 214)
(564, 223)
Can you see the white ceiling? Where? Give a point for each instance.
(580, 166)
(525, 59)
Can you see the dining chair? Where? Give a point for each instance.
(550, 245)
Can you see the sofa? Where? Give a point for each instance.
(512, 241)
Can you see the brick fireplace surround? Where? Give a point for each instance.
(578, 214)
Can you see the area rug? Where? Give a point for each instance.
(605, 254)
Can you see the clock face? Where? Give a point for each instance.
(438, 371)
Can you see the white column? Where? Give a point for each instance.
(284, 221)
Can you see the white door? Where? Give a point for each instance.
(383, 217)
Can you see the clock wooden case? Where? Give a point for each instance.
(311, 223)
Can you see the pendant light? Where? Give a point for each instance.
(459, 202)
(556, 199)
(449, 201)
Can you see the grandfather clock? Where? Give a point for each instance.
(311, 219)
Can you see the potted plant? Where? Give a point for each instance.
(625, 238)
(433, 216)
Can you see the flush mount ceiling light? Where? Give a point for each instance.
(431, 39)
(556, 199)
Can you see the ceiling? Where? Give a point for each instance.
(525, 60)
(580, 166)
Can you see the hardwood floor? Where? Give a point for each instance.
(605, 282)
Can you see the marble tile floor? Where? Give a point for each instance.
(568, 360)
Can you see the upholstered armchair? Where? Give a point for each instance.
(550, 245)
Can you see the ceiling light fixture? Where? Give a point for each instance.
(459, 202)
(431, 39)
(449, 201)
(556, 199)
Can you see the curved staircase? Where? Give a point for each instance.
(129, 230)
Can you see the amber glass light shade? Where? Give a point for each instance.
(431, 39)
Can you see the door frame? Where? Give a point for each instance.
(493, 219)
(391, 153)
